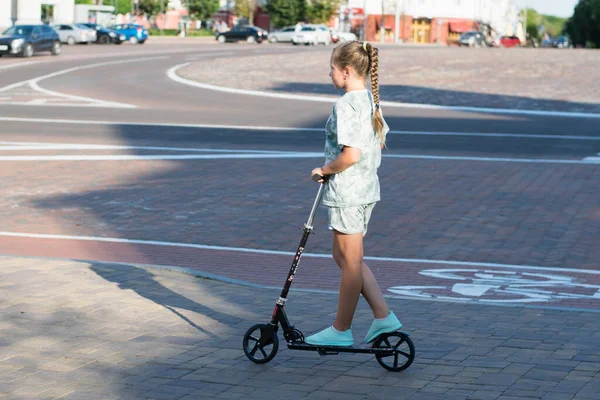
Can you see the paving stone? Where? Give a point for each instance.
(180, 369)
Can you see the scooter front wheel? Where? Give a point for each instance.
(402, 351)
(260, 343)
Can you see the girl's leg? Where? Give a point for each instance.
(370, 289)
(350, 249)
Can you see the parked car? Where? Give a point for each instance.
(25, 40)
(510, 41)
(104, 35)
(72, 34)
(251, 34)
(133, 33)
(342, 37)
(562, 42)
(312, 34)
(472, 39)
(284, 34)
(549, 42)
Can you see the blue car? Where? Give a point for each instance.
(134, 33)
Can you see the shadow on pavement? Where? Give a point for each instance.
(443, 97)
(143, 282)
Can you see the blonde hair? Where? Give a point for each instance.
(364, 58)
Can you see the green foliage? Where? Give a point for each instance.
(286, 12)
(90, 2)
(174, 32)
(550, 24)
(121, 6)
(153, 7)
(203, 9)
(321, 11)
(584, 26)
(246, 9)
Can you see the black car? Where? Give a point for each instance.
(25, 40)
(251, 34)
(104, 35)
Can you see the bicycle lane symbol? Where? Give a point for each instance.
(501, 286)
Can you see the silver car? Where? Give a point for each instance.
(72, 34)
(284, 34)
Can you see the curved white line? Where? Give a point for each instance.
(33, 83)
(287, 253)
(172, 74)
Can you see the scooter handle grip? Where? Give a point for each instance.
(317, 177)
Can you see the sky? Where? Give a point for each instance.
(559, 8)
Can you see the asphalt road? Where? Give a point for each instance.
(197, 167)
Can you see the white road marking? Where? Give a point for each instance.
(587, 160)
(291, 129)
(158, 157)
(20, 64)
(33, 83)
(287, 253)
(233, 154)
(20, 146)
(512, 286)
(172, 74)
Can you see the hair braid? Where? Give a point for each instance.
(374, 73)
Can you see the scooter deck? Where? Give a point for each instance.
(339, 349)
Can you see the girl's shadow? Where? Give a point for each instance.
(142, 282)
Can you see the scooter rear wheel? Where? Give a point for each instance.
(403, 351)
(259, 348)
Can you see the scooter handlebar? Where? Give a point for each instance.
(317, 178)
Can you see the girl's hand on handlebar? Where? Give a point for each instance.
(318, 175)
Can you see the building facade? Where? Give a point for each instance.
(428, 21)
(36, 11)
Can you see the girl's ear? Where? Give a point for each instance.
(347, 72)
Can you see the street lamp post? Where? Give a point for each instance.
(382, 25)
(14, 13)
(365, 19)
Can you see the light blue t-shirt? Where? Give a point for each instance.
(351, 124)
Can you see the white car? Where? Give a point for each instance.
(72, 34)
(312, 34)
(284, 34)
(342, 37)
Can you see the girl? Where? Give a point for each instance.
(355, 135)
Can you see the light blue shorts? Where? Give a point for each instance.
(350, 220)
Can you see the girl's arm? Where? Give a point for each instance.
(347, 158)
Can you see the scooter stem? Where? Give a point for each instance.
(313, 211)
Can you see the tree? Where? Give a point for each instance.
(153, 7)
(532, 23)
(321, 11)
(203, 9)
(246, 9)
(286, 12)
(584, 26)
(91, 2)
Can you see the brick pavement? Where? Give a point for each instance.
(81, 330)
(536, 79)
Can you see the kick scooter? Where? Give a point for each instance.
(394, 351)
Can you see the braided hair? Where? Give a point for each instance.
(364, 58)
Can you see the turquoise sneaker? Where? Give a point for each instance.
(331, 337)
(385, 325)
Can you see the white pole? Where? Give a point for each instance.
(365, 14)
(397, 23)
(382, 27)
